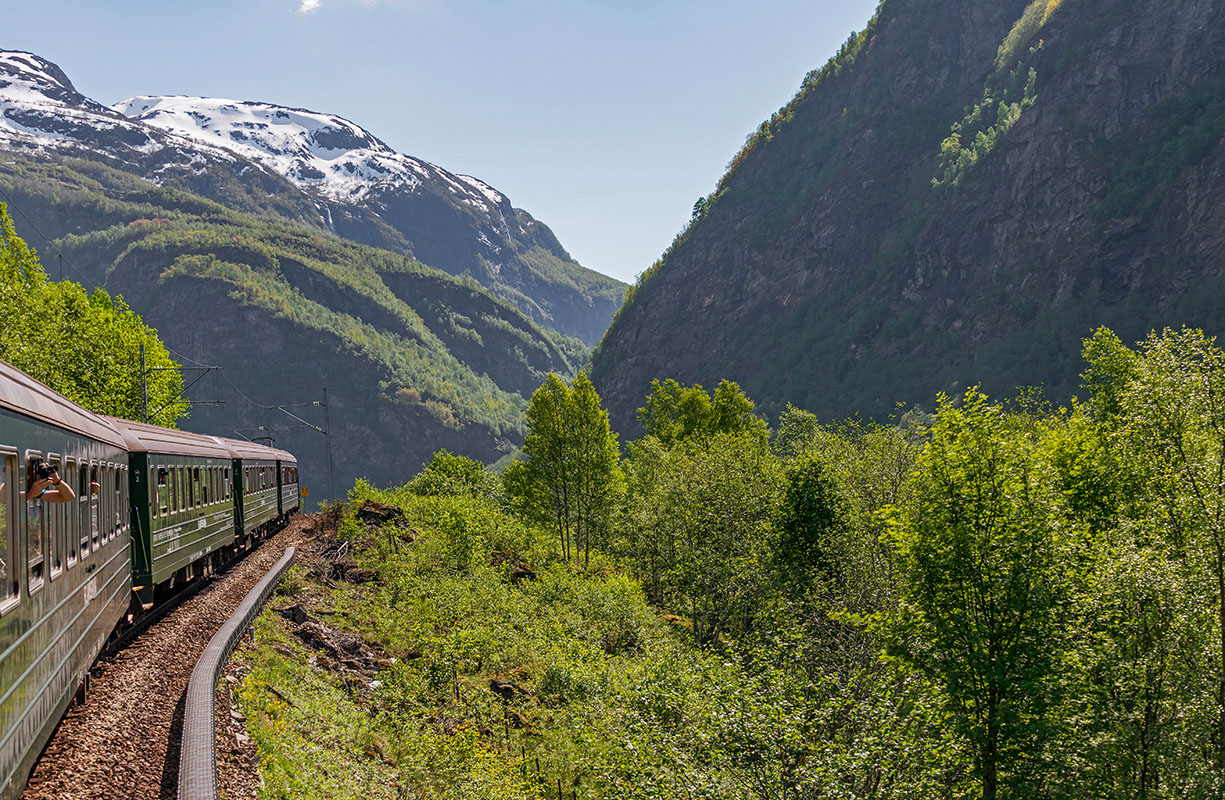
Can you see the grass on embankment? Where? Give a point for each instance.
(504, 671)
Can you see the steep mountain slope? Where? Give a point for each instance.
(959, 197)
(313, 169)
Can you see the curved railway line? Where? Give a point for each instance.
(124, 741)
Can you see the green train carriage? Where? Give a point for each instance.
(162, 505)
(182, 505)
(287, 484)
(255, 487)
(65, 568)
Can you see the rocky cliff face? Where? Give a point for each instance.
(962, 198)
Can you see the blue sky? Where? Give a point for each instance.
(605, 120)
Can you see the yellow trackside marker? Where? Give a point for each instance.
(304, 492)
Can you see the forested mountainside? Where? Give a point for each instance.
(415, 359)
(960, 196)
(313, 169)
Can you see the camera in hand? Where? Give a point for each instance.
(44, 471)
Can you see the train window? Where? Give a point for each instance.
(196, 488)
(128, 501)
(84, 493)
(98, 507)
(71, 517)
(116, 504)
(8, 476)
(95, 492)
(34, 527)
(225, 481)
(53, 529)
(161, 506)
(124, 512)
(95, 503)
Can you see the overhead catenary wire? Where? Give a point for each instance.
(63, 259)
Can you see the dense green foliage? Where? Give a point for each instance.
(85, 346)
(1002, 600)
(674, 412)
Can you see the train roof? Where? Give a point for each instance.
(141, 437)
(244, 449)
(286, 456)
(24, 395)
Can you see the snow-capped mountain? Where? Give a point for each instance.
(312, 168)
(322, 153)
(41, 109)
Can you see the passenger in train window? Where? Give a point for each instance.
(45, 484)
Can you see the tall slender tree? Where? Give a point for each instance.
(571, 477)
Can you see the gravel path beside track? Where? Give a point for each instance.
(124, 741)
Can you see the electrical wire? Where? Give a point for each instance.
(9, 201)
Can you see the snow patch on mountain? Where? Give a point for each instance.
(327, 155)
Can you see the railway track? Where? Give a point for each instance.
(124, 741)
